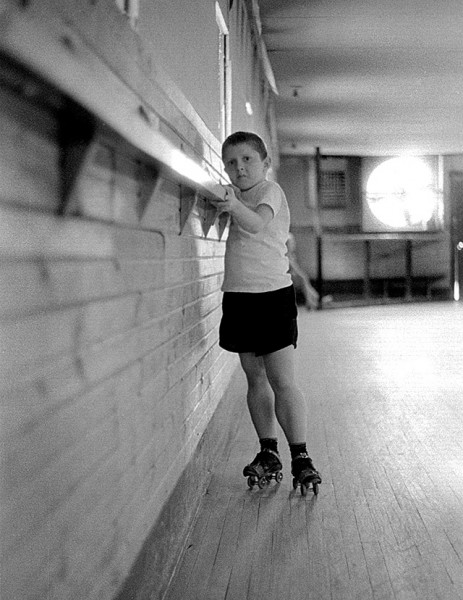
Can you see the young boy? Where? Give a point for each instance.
(259, 308)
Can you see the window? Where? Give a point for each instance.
(401, 194)
(333, 189)
(224, 75)
(129, 8)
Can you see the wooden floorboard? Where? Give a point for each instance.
(384, 386)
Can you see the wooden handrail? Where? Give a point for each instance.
(49, 48)
(377, 236)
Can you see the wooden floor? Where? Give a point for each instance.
(384, 387)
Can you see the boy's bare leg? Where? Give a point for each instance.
(261, 399)
(290, 404)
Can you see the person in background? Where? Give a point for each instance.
(301, 281)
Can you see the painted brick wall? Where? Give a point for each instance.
(115, 396)
(110, 365)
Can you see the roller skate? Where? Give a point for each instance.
(265, 467)
(305, 474)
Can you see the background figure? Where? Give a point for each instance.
(300, 280)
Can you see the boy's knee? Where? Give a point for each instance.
(257, 378)
(253, 367)
(281, 384)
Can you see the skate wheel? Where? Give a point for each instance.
(278, 476)
(262, 482)
(303, 490)
(294, 483)
(251, 482)
(315, 488)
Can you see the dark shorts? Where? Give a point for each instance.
(259, 323)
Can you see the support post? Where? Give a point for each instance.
(76, 135)
(366, 274)
(188, 199)
(408, 269)
(318, 229)
(320, 271)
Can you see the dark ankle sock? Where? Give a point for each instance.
(296, 449)
(269, 444)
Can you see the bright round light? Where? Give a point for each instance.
(400, 192)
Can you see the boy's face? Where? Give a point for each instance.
(244, 166)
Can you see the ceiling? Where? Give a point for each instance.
(367, 77)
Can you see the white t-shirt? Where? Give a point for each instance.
(258, 262)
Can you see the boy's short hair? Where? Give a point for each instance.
(246, 137)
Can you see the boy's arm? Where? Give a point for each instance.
(250, 220)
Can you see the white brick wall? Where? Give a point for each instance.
(110, 364)
(110, 367)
